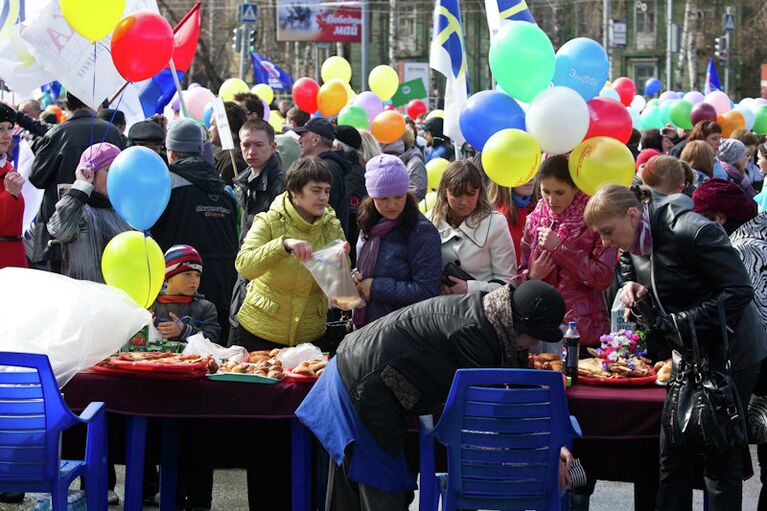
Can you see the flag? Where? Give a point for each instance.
(264, 71)
(412, 89)
(499, 11)
(19, 69)
(157, 92)
(448, 57)
(51, 90)
(712, 79)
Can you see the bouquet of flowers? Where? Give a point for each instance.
(625, 347)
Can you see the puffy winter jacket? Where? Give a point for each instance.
(416, 168)
(283, 303)
(339, 199)
(255, 196)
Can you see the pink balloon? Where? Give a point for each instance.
(195, 101)
(370, 102)
(719, 101)
(669, 94)
(267, 112)
(694, 97)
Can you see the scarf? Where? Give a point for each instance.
(643, 244)
(567, 225)
(497, 307)
(98, 200)
(366, 262)
(175, 299)
(521, 202)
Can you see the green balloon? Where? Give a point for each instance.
(522, 60)
(665, 111)
(355, 116)
(651, 118)
(760, 121)
(680, 114)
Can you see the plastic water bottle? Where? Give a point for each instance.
(572, 341)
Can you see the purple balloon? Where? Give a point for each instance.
(760, 101)
(175, 104)
(694, 97)
(669, 94)
(267, 111)
(194, 85)
(370, 102)
(702, 112)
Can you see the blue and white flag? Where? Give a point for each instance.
(499, 11)
(712, 79)
(264, 71)
(448, 57)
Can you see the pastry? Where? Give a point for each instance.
(347, 303)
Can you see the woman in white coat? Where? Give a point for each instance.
(477, 249)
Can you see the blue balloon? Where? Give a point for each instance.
(207, 114)
(652, 86)
(138, 186)
(488, 112)
(581, 64)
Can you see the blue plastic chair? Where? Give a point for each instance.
(503, 429)
(32, 416)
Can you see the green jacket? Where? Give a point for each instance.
(284, 304)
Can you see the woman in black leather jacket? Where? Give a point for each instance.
(687, 264)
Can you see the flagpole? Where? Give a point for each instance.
(178, 87)
(119, 91)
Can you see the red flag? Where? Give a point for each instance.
(186, 34)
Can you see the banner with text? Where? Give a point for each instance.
(315, 20)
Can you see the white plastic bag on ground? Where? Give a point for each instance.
(199, 345)
(292, 357)
(76, 323)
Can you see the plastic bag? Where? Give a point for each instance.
(292, 357)
(76, 323)
(330, 269)
(199, 345)
(616, 315)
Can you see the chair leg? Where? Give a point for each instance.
(301, 456)
(134, 461)
(59, 495)
(169, 465)
(96, 471)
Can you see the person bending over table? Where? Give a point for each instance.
(403, 365)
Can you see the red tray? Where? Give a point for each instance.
(158, 375)
(621, 382)
(141, 365)
(303, 378)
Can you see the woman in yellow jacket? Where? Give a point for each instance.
(284, 306)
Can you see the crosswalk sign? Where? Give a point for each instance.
(729, 22)
(248, 13)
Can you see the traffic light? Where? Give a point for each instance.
(236, 39)
(720, 48)
(252, 40)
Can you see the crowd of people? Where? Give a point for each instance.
(522, 261)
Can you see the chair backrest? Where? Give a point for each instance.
(503, 429)
(32, 416)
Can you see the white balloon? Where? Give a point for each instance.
(746, 102)
(558, 119)
(719, 101)
(609, 92)
(747, 114)
(636, 119)
(639, 102)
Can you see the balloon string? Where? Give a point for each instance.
(93, 100)
(149, 271)
(113, 116)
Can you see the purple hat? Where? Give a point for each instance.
(386, 176)
(98, 156)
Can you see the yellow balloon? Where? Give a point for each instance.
(511, 157)
(383, 80)
(434, 170)
(231, 88)
(134, 263)
(599, 161)
(336, 67)
(264, 92)
(436, 113)
(428, 202)
(332, 97)
(92, 19)
(349, 93)
(276, 120)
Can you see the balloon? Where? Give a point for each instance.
(436, 113)
(388, 127)
(142, 44)
(138, 186)
(609, 118)
(626, 89)
(264, 92)
(511, 157)
(719, 101)
(428, 202)
(558, 119)
(355, 116)
(748, 115)
(305, 94)
(416, 108)
(757, 103)
(134, 263)
(639, 102)
(651, 118)
(522, 59)
(193, 85)
(665, 111)
(197, 100)
(276, 120)
(653, 101)
(369, 102)
(667, 96)
(582, 65)
(389, 107)
(694, 97)
(434, 170)
(331, 98)
(267, 110)
(652, 86)
(92, 19)
(679, 112)
(488, 112)
(231, 87)
(760, 120)
(610, 93)
(56, 110)
(383, 80)
(702, 112)
(636, 120)
(730, 121)
(599, 161)
(336, 67)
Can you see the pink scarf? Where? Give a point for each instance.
(567, 225)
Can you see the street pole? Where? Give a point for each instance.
(364, 48)
(728, 52)
(606, 7)
(669, 42)
(244, 50)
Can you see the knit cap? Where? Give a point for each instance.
(725, 197)
(732, 150)
(386, 176)
(98, 156)
(185, 136)
(644, 156)
(181, 258)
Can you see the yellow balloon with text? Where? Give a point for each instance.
(134, 263)
(511, 157)
(264, 92)
(599, 161)
(92, 19)
(434, 170)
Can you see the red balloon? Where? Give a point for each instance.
(142, 45)
(702, 112)
(416, 108)
(608, 118)
(626, 89)
(305, 92)
(389, 107)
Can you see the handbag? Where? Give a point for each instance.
(453, 269)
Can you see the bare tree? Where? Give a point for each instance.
(688, 50)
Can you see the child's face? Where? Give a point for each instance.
(185, 283)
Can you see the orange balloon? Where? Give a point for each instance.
(730, 121)
(332, 97)
(388, 126)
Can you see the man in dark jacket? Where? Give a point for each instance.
(350, 142)
(55, 162)
(316, 139)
